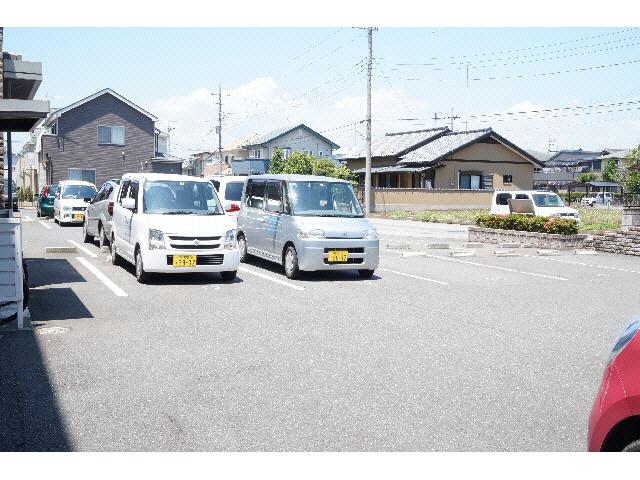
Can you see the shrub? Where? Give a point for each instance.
(527, 223)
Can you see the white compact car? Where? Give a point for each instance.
(72, 200)
(229, 190)
(545, 204)
(172, 224)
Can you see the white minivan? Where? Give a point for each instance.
(172, 224)
(545, 204)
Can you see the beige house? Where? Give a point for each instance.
(442, 159)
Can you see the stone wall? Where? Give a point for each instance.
(623, 242)
(536, 239)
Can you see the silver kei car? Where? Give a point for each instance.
(306, 223)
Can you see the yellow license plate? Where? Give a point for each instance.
(338, 256)
(78, 216)
(184, 261)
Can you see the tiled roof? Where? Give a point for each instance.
(273, 134)
(575, 155)
(443, 145)
(396, 144)
(452, 142)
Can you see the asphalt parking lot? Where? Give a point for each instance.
(433, 353)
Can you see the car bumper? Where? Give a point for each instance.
(47, 211)
(160, 261)
(313, 254)
(68, 218)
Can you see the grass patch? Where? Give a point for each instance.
(593, 219)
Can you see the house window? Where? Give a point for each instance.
(161, 144)
(257, 153)
(320, 153)
(54, 128)
(286, 152)
(108, 135)
(507, 179)
(470, 181)
(307, 152)
(88, 175)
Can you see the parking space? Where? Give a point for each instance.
(433, 353)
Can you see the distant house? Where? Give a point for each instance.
(100, 137)
(443, 159)
(564, 167)
(296, 138)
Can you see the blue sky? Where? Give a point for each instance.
(277, 76)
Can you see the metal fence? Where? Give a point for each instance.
(631, 200)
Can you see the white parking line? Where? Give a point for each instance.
(413, 276)
(494, 267)
(582, 264)
(84, 249)
(44, 224)
(267, 277)
(27, 217)
(102, 277)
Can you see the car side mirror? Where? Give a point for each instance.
(129, 203)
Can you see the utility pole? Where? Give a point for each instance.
(367, 175)
(435, 119)
(219, 128)
(169, 128)
(453, 117)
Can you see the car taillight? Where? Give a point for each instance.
(110, 208)
(234, 207)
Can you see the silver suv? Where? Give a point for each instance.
(306, 223)
(97, 218)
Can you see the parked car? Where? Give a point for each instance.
(229, 190)
(97, 220)
(172, 224)
(306, 223)
(44, 205)
(71, 201)
(14, 193)
(614, 423)
(601, 197)
(545, 204)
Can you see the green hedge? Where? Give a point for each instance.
(527, 223)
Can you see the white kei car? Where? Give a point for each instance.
(172, 224)
(72, 200)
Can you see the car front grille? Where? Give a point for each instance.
(202, 259)
(193, 243)
(79, 209)
(193, 239)
(350, 250)
(193, 246)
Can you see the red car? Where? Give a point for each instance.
(614, 424)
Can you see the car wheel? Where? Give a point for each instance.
(242, 248)
(291, 269)
(141, 275)
(102, 237)
(38, 213)
(86, 237)
(228, 276)
(15, 208)
(366, 273)
(632, 447)
(115, 259)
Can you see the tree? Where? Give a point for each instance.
(324, 167)
(299, 163)
(277, 161)
(611, 173)
(587, 177)
(632, 178)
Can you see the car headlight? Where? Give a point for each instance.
(156, 240)
(315, 233)
(230, 240)
(66, 208)
(370, 234)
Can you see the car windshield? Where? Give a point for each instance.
(171, 197)
(233, 191)
(547, 200)
(78, 191)
(323, 199)
(52, 191)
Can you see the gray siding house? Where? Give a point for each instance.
(295, 138)
(99, 137)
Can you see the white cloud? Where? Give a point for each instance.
(262, 105)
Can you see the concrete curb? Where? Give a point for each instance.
(548, 253)
(442, 246)
(413, 254)
(508, 245)
(462, 252)
(398, 246)
(584, 252)
(506, 252)
(473, 245)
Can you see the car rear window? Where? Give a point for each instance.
(233, 191)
